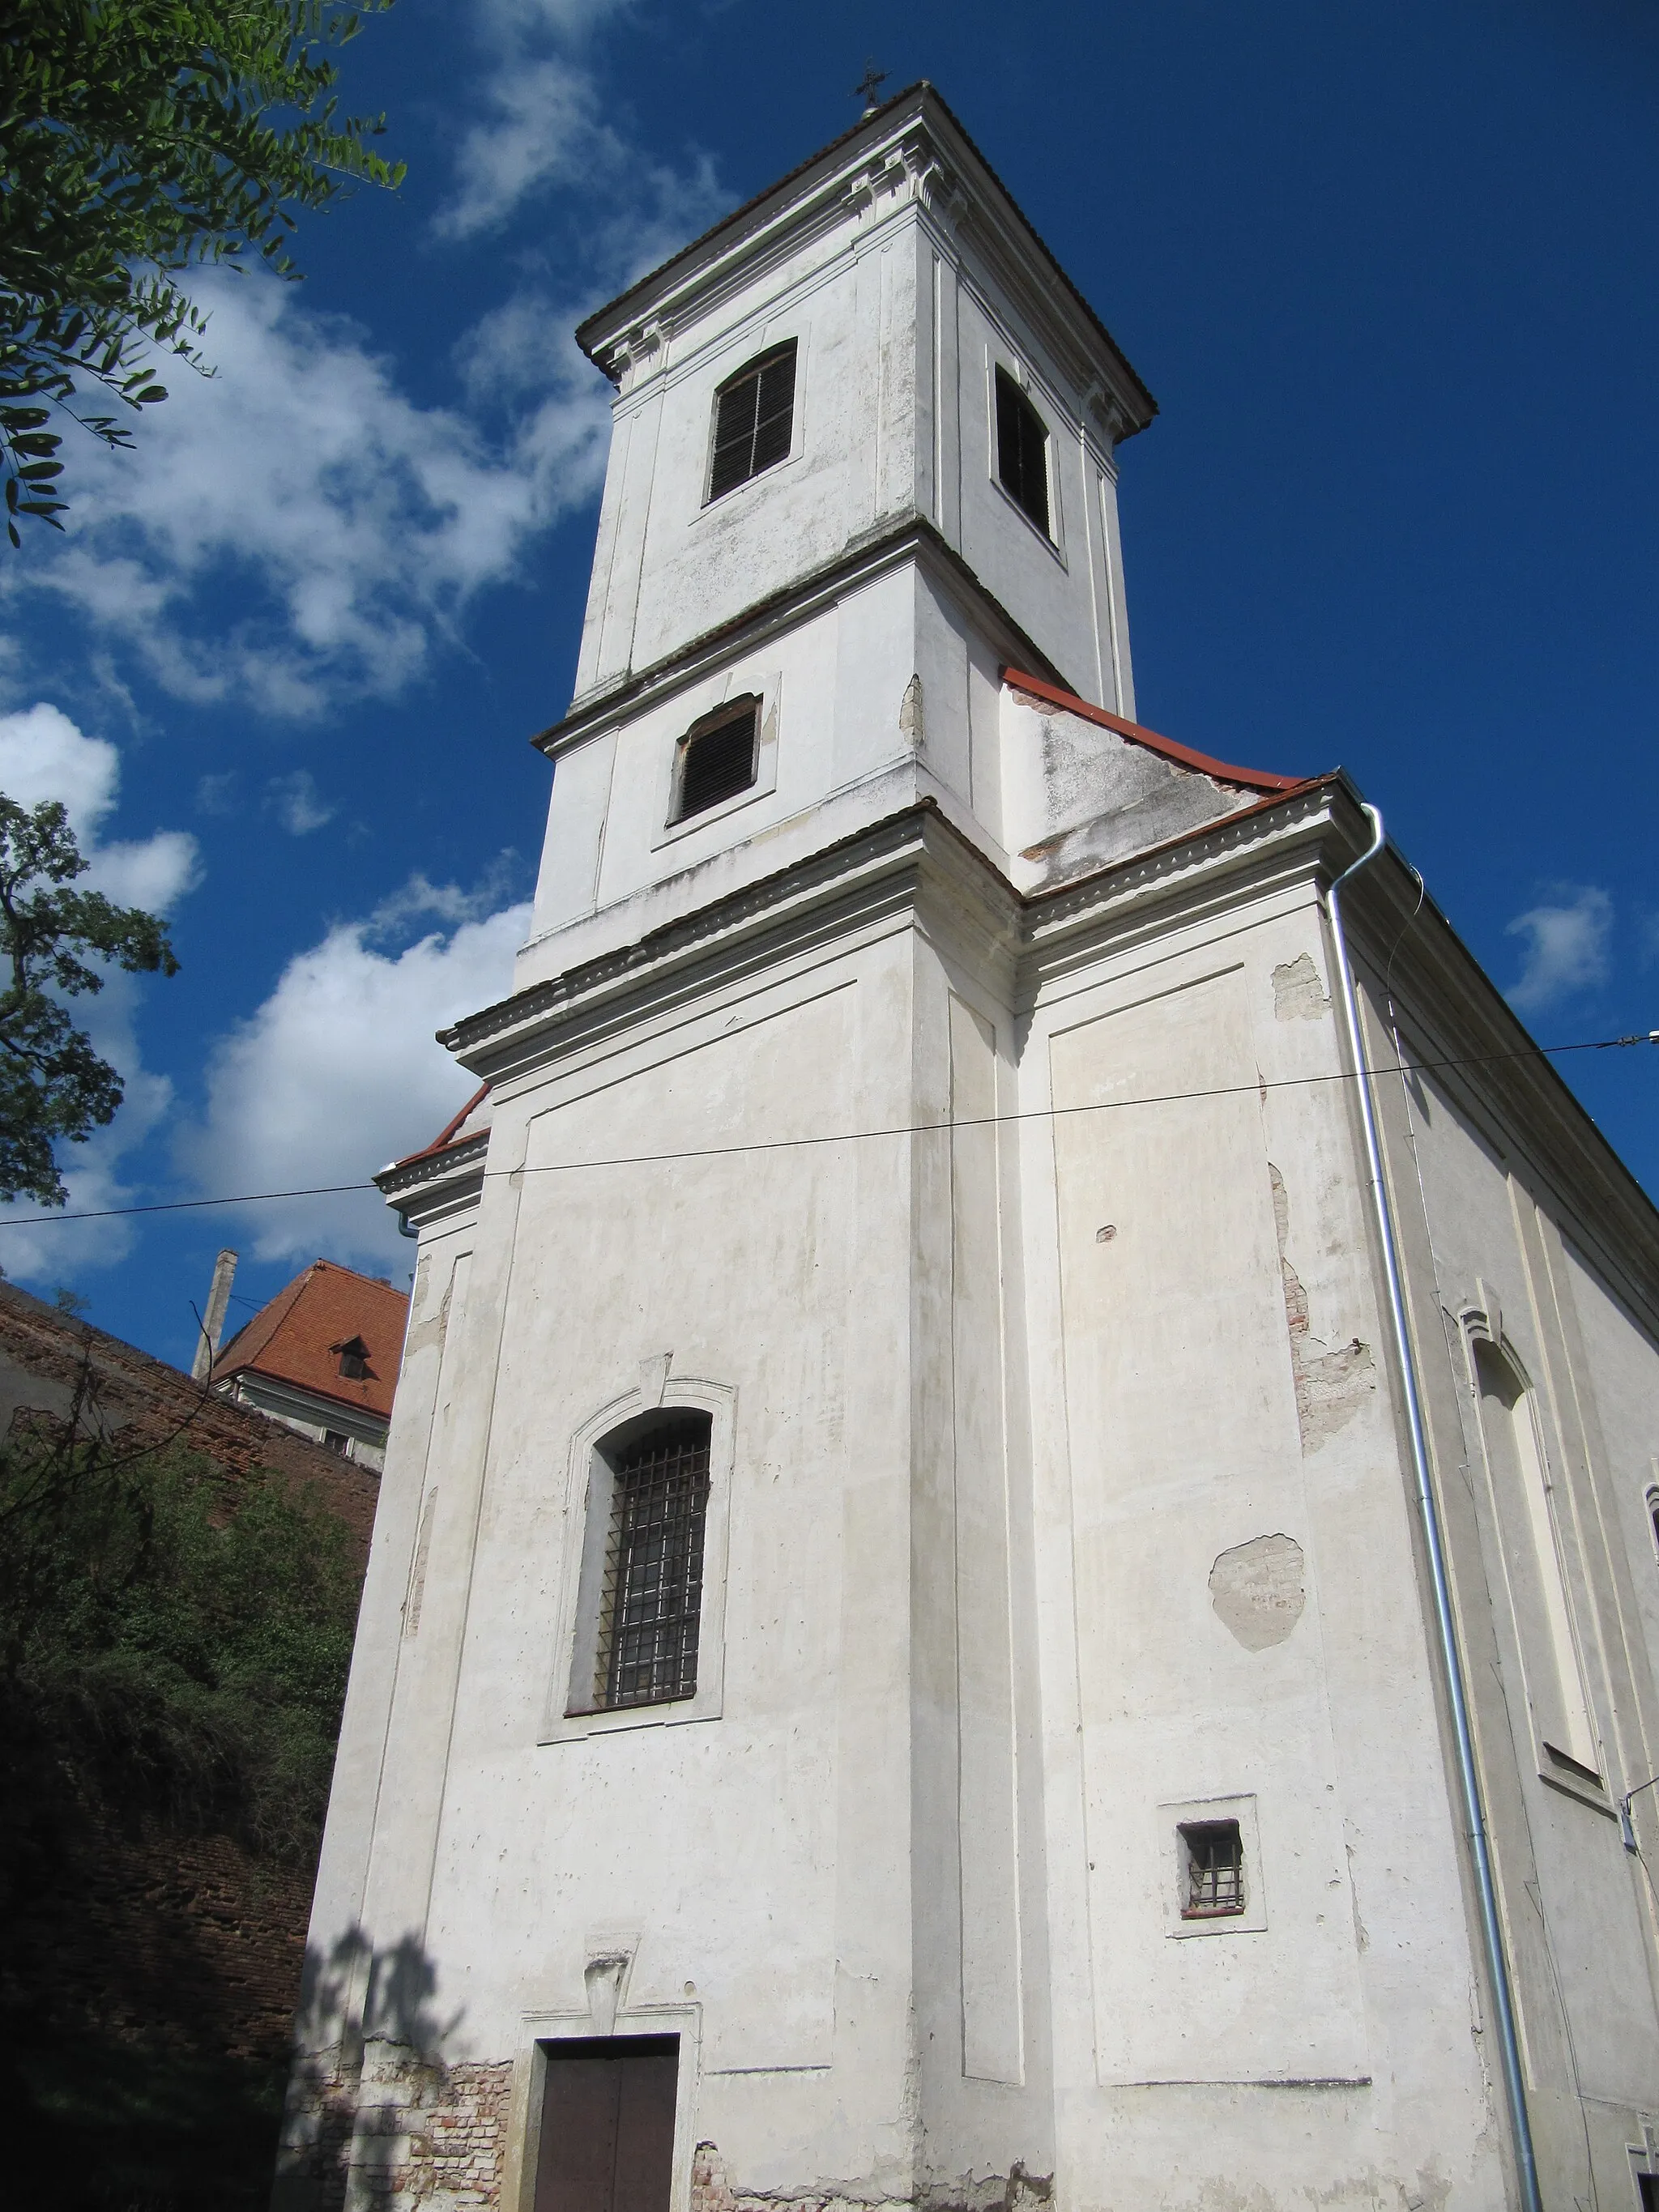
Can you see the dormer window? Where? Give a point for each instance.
(352, 1356)
(717, 758)
(754, 419)
(1022, 452)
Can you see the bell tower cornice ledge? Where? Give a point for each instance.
(912, 537)
(911, 159)
(876, 876)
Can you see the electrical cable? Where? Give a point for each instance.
(848, 1136)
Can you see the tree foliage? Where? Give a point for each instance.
(166, 1639)
(137, 142)
(53, 1084)
(174, 1650)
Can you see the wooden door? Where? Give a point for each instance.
(607, 2138)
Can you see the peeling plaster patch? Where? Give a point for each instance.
(1431, 2193)
(1298, 994)
(1330, 1386)
(1257, 1590)
(912, 723)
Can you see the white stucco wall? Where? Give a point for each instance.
(960, 1117)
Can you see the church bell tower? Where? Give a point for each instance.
(838, 1718)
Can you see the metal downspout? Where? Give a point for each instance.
(1497, 1965)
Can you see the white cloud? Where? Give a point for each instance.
(297, 803)
(1566, 946)
(44, 755)
(357, 523)
(339, 1071)
(549, 126)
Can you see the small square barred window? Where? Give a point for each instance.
(1022, 452)
(717, 758)
(652, 1590)
(754, 419)
(1213, 1856)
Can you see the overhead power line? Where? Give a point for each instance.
(853, 1136)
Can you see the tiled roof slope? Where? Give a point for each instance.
(295, 1339)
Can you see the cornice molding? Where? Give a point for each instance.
(915, 867)
(436, 1184)
(1450, 1010)
(847, 886)
(910, 537)
(912, 151)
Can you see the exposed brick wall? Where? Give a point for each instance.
(44, 1354)
(180, 1938)
(408, 2135)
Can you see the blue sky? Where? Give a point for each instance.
(1390, 269)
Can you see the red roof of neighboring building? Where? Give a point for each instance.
(298, 1338)
(1252, 779)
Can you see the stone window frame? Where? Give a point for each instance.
(1001, 357)
(1537, 1644)
(586, 1529)
(766, 685)
(740, 351)
(1205, 1812)
(747, 705)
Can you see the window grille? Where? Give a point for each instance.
(1215, 1853)
(1022, 452)
(652, 1590)
(754, 417)
(717, 762)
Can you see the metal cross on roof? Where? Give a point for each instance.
(866, 89)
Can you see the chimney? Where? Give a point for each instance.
(212, 1327)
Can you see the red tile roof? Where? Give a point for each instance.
(296, 1338)
(450, 1133)
(1252, 779)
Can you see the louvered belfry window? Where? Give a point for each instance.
(652, 1590)
(717, 758)
(754, 415)
(1022, 452)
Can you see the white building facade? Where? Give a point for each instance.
(898, 1666)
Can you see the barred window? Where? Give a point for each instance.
(717, 758)
(1212, 1852)
(754, 418)
(1022, 452)
(651, 1603)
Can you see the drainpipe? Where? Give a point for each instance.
(1473, 1814)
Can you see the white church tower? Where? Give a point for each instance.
(898, 1667)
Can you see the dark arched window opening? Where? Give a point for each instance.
(717, 758)
(754, 419)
